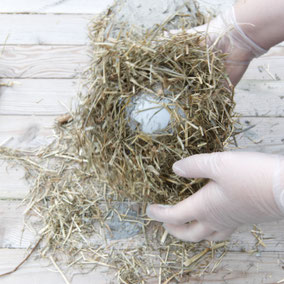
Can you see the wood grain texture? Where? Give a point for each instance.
(13, 184)
(260, 98)
(38, 61)
(54, 6)
(45, 97)
(14, 235)
(43, 29)
(38, 96)
(29, 132)
(265, 266)
(267, 67)
(84, 6)
(263, 131)
(34, 29)
(68, 61)
(25, 129)
(38, 270)
(238, 267)
(48, 97)
(269, 149)
(235, 268)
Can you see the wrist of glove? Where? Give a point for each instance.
(224, 33)
(243, 188)
(230, 38)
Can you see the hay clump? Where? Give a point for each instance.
(180, 75)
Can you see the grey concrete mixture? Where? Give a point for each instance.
(126, 228)
(146, 14)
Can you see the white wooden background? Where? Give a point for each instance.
(43, 49)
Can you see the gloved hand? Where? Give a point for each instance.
(243, 188)
(225, 34)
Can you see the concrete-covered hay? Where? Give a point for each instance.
(178, 74)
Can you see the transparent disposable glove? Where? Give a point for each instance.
(225, 34)
(243, 188)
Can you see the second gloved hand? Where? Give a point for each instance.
(243, 188)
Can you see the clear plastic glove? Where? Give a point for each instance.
(243, 188)
(225, 34)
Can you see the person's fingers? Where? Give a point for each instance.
(189, 209)
(193, 232)
(177, 214)
(220, 236)
(200, 166)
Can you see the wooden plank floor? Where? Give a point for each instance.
(43, 49)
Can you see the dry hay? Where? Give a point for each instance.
(179, 69)
(99, 173)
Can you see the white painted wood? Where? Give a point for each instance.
(66, 61)
(29, 131)
(236, 268)
(266, 263)
(55, 6)
(260, 98)
(266, 136)
(43, 61)
(37, 270)
(48, 97)
(83, 6)
(35, 129)
(271, 233)
(14, 186)
(43, 29)
(38, 96)
(264, 131)
(269, 149)
(26, 132)
(12, 182)
(267, 67)
(14, 235)
(57, 29)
